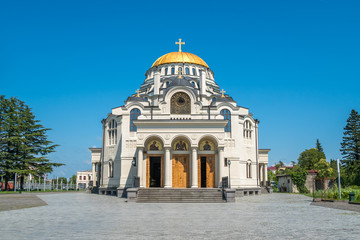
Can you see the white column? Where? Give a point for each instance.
(143, 181)
(139, 163)
(156, 82)
(93, 174)
(167, 166)
(194, 168)
(265, 173)
(221, 162)
(202, 82)
(261, 178)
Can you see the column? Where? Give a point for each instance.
(265, 174)
(167, 166)
(261, 178)
(93, 174)
(194, 168)
(221, 162)
(139, 163)
(144, 167)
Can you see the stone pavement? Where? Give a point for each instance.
(270, 216)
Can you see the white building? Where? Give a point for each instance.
(84, 179)
(179, 131)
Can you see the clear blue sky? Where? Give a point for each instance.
(294, 64)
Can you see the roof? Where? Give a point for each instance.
(179, 57)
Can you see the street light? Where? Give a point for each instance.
(229, 163)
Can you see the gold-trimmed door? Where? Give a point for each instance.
(180, 171)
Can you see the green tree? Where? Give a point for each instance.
(64, 180)
(298, 176)
(324, 169)
(73, 179)
(23, 142)
(318, 146)
(350, 148)
(309, 158)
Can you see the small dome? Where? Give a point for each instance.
(179, 57)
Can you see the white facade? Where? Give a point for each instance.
(83, 179)
(177, 126)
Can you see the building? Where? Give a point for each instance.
(179, 130)
(84, 179)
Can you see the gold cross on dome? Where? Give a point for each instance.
(180, 73)
(137, 93)
(179, 42)
(222, 93)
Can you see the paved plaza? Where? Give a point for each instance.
(270, 216)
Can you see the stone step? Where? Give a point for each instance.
(182, 195)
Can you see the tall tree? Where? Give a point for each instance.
(309, 158)
(24, 142)
(318, 146)
(350, 147)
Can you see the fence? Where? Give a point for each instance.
(38, 186)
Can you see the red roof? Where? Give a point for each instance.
(271, 168)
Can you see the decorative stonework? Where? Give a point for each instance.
(130, 143)
(229, 143)
(140, 137)
(193, 137)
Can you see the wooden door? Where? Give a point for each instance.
(148, 170)
(210, 171)
(180, 171)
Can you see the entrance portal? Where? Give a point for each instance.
(206, 172)
(154, 171)
(180, 170)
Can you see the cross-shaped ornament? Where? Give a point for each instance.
(179, 42)
(137, 93)
(179, 73)
(222, 93)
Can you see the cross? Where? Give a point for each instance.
(180, 72)
(222, 93)
(179, 42)
(137, 93)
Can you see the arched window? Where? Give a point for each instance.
(166, 71)
(187, 71)
(248, 169)
(180, 103)
(193, 84)
(247, 129)
(112, 132)
(134, 114)
(172, 70)
(194, 71)
(167, 84)
(227, 116)
(214, 99)
(111, 169)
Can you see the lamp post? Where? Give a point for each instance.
(229, 163)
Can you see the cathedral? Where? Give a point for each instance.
(179, 131)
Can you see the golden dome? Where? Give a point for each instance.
(179, 57)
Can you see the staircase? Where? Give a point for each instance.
(179, 195)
